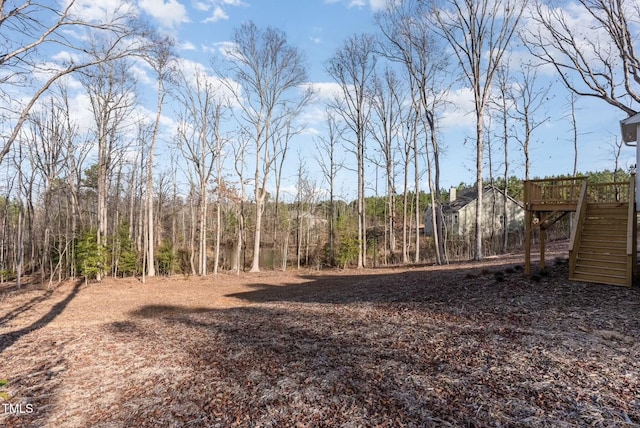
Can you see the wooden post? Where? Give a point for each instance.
(527, 242)
(527, 228)
(543, 235)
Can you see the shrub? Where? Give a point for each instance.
(89, 255)
(166, 258)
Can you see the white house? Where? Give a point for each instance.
(460, 212)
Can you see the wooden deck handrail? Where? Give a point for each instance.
(580, 212)
(631, 220)
(566, 191)
(553, 191)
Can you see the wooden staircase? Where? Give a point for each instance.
(602, 250)
(603, 244)
(603, 241)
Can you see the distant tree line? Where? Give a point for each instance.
(90, 198)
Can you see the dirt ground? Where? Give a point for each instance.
(475, 344)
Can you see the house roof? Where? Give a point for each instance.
(468, 195)
(463, 197)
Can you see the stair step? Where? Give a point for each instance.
(600, 234)
(602, 258)
(608, 208)
(602, 251)
(604, 236)
(610, 228)
(605, 220)
(601, 279)
(599, 266)
(602, 248)
(587, 268)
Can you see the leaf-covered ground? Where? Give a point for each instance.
(462, 345)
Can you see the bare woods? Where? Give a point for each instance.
(94, 182)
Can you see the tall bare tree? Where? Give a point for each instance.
(30, 28)
(479, 32)
(198, 135)
(529, 98)
(596, 58)
(239, 152)
(352, 67)
(161, 58)
(111, 91)
(269, 75)
(331, 164)
(410, 41)
(387, 103)
(502, 102)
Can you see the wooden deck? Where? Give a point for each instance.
(604, 211)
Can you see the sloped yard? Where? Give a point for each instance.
(452, 346)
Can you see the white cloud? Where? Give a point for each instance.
(187, 46)
(141, 74)
(66, 57)
(189, 68)
(217, 15)
(202, 6)
(218, 8)
(459, 112)
(326, 90)
(100, 11)
(170, 13)
(221, 48)
(378, 4)
(375, 5)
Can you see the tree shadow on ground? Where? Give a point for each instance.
(406, 349)
(493, 287)
(38, 387)
(396, 364)
(8, 339)
(256, 366)
(25, 307)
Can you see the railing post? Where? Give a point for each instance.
(632, 225)
(574, 240)
(527, 227)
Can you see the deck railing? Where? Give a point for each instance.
(553, 191)
(566, 191)
(608, 192)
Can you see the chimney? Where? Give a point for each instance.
(452, 194)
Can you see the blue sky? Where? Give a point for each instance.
(318, 28)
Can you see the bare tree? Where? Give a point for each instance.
(239, 152)
(574, 132)
(48, 144)
(479, 32)
(352, 67)
(161, 58)
(330, 164)
(111, 92)
(198, 137)
(281, 147)
(387, 103)
(409, 40)
(593, 59)
(502, 102)
(529, 99)
(30, 28)
(269, 74)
